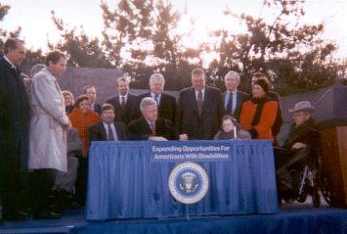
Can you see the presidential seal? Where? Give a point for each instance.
(188, 182)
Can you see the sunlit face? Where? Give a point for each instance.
(91, 94)
(108, 116)
(257, 91)
(198, 82)
(228, 125)
(157, 85)
(300, 117)
(17, 56)
(150, 113)
(84, 106)
(68, 100)
(231, 82)
(58, 68)
(122, 87)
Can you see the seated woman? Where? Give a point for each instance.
(259, 113)
(231, 130)
(82, 118)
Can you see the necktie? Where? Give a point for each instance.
(110, 133)
(156, 96)
(122, 104)
(230, 103)
(152, 126)
(200, 102)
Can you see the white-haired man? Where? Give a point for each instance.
(166, 102)
(232, 97)
(150, 126)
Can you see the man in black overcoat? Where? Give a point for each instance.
(199, 109)
(14, 128)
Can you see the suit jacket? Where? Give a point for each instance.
(97, 132)
(97, 108)
(241, 97)
(276, 127)
(140, 130)
(196, 126)
(132, 110)
(14, 120)
(166, 107)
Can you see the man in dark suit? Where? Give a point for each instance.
(90, 91)
(233, 98)
(14, 128)
(125, 104)
(108, 129)
(166, 102)
(276, 127)
(150, 126)
(199, 109)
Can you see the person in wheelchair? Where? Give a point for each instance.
(299, 150)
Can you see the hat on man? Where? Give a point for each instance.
(303, 106)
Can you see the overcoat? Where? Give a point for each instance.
(48, 147)
(14, 120)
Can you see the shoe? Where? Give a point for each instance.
(46, 215)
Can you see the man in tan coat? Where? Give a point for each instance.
(47, 133)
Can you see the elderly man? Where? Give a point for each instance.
(232, 97)
(300, 148)
(125, 104)
(90, 91)
(14, 127)
(166, 102)
(150, 126)
(108, 129)
(199, 109)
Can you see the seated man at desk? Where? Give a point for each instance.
(150, 126)
(108, 129)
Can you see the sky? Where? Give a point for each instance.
(34, 17)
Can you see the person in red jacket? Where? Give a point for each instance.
(259, 113)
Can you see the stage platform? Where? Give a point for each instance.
(293, 218)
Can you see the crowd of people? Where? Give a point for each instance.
(45, 131)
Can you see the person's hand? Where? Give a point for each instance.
(157, 138)
(183, 137)
(298, 145)
(67, 126)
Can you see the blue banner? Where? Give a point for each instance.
(192, 151)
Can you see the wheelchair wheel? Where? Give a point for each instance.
(329, 192)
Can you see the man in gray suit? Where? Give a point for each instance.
(233, 98)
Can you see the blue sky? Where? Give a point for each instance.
(34, 16)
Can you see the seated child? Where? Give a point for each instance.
(231, 130)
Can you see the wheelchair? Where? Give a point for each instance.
(303, 173)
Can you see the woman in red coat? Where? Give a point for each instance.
(82, 118)
(259, 113)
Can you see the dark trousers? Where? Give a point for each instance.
(13, 194)
(81, 182)
(41, 182)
